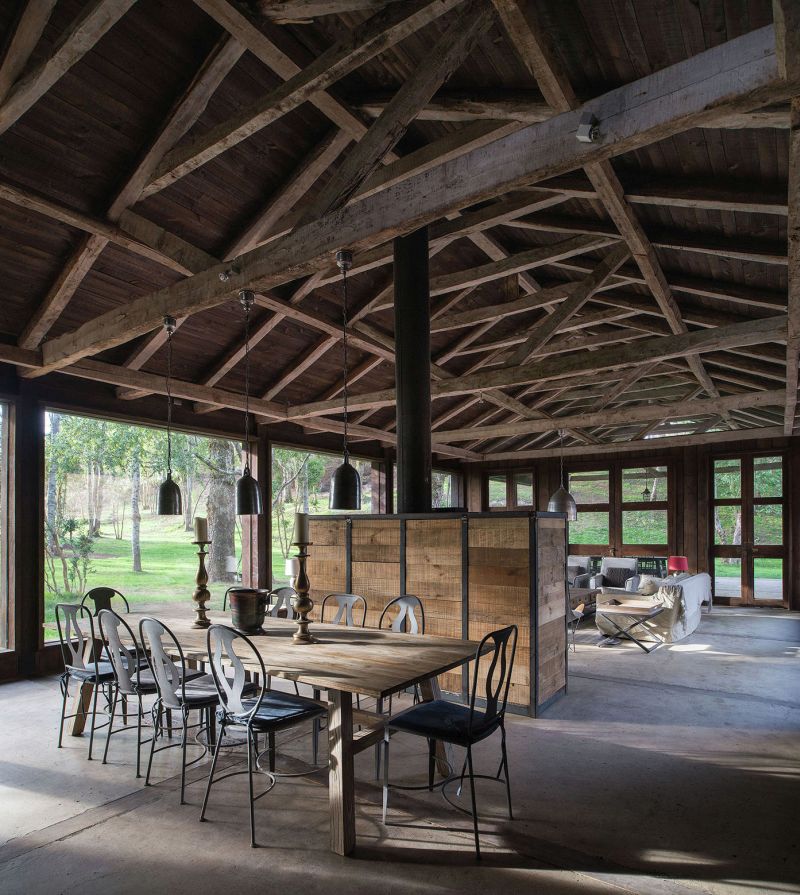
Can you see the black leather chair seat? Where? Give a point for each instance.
(278, 709)
(145, 682)
(446, 721)
(105, 673)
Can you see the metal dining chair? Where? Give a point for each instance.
(178, 692)
(102, 598)
(347, 607)
(283, 597)
(461, 725)
(76, 634)
(574, 617)
(267, 712)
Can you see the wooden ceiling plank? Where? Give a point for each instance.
(93, 21)
(31, 20)
(741, 72)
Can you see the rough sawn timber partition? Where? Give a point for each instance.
(474, 572)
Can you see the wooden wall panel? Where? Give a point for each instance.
(327, 561)
(434, 574)
(376, 563)
(551, 608)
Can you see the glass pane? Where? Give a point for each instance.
(727, 478)
(727, 577)
(768, 574)
(5, 605)
(644, 527)
(768, 477)
(768, 523)
(589, 487)
(301, 483)
(443, 489)
(523, 489)
(728, 525)
(497, 490)
(101, 526)
(644, 483)
(589, 528)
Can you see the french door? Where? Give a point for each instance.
(748, 529)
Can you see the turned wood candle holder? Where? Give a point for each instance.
(303, 604)
(201, 593)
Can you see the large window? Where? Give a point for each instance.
(100, 522)
(510, 491)
(5, 596)
(445, 489)
(590, 489)
(644, 507)
(301, 482)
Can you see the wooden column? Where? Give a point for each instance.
(412, 326)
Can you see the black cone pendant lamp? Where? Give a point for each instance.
(345, 493)
(248, 494)
(562, 501)
(169, 494)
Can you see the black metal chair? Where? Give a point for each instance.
(76, 634)
(267, 713)
(461, 725)
(178, 692)
(102, 598)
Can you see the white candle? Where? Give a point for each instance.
(301, 528)
(200, 528)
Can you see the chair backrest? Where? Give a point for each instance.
(76, 635)
(102, 597)
(406, 621)
(282, 597)
(169, 677)
(346, 603)
(221, 652)
(580, 562)
(617, 562)
(498, 674)
(125, 660)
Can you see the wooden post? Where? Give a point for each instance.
(413, 371)
(341, 780)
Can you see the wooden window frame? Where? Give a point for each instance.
(511, 495)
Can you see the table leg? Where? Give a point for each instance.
(627, 634)
(81, 703)
(445, 759)
(341, 780)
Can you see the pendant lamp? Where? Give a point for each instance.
(248, 494)
(562, 501)
(169, 494)
(345, 493)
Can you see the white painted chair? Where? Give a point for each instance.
(346, 605)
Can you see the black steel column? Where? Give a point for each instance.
(412, 333)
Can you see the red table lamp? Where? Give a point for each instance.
(677, 564)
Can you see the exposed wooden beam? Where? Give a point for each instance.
(449, 52)
(289, 12)
(624, 416)
(93, 21)
(376, 35)
(741, 73)
(753, 332)
(32, 17)
(570, 307)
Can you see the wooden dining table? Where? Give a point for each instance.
(343, 661)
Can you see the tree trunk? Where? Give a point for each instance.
(52, 486)
(221, 512)
(136, 518)
(188, 506)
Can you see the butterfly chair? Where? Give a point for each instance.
(267, 712)
(462, 725)
(76, 634)
(177, 691)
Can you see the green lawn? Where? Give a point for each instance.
(169, 566)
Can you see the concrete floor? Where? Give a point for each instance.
(675, 772)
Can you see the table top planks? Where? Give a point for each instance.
(366, 661)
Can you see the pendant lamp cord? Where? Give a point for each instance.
(246, 298)
(169, 325)
(561, 451)
(344, 260)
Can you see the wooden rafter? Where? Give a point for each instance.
(31, 20)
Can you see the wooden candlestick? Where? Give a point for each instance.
(201, 593)
(303, 604)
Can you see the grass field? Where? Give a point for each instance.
(169, 566)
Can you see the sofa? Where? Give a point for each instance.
(681, 595)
